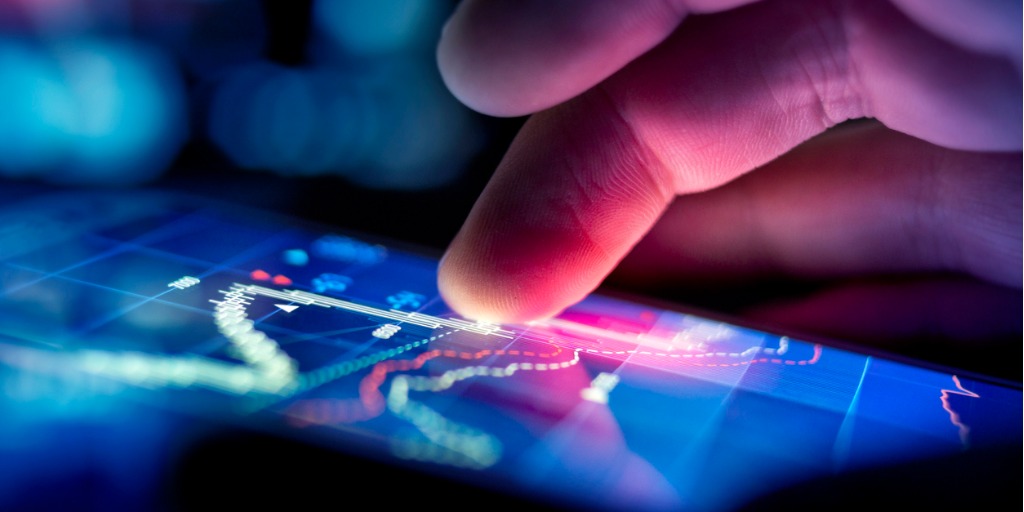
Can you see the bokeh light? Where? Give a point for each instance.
(381, 26)
(89, 110)
(36, 108)
(93, 93)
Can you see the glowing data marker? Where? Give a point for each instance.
(287, 308)
(386, 331)
(184, 282)
(296, 257)
(412, 317)
(599, 388)
(263, 275)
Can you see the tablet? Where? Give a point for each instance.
(164, 352)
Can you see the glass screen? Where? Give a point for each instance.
(128, 318)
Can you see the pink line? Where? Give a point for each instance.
(954, 418)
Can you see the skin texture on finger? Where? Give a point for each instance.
(922, 85)
(860, 199)
(510, 58)
(541, 231)
(992, 26)
(516, 57)
(727, 93)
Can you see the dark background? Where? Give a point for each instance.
(254, 94)
(203, 45)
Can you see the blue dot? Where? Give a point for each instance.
(296, 257)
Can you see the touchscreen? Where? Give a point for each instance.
(121, 315)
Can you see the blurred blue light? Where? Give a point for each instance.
(231, 113)
(394, 126)
(131, 111)
(264, 116)
(282, 119)
(90, 111)
(291, 121)
(382, 121)
(426, 135)
(380, 26)
(344, 118)
(36, 109)
(296, 257)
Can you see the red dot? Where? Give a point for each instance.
(259, 275)
(282, 280)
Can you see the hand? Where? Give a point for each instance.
(707, 141)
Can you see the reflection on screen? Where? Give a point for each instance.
(115, 324)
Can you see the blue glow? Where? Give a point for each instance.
(129, 111)
(348, 123)
(384, 122)
(611, 404)
(265, 117)
(230, 113)
(36, 110)
(395, 127)
(282, 123)
(380, 26)
(297, 257)
(328, 282)
(367, 105)
(89, 111)
(428, 136)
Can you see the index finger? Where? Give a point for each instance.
(585, 180)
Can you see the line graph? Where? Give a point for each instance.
(963, 429)
(264, 368)
(414, 318)
(363, 351)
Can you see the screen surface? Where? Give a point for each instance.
(125, 316)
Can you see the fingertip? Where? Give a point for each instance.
(573, 194)
(459, 293)
(473, 290)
